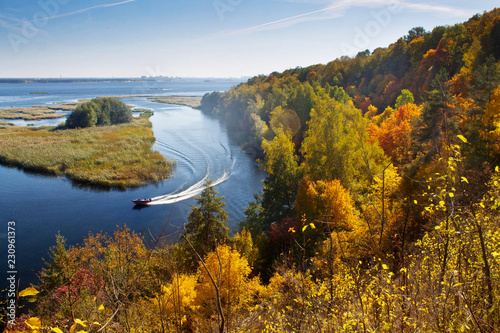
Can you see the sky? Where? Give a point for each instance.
(204, 38)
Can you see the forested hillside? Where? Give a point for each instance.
(463, 58)
(379, 213)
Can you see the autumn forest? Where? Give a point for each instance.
(379, 212)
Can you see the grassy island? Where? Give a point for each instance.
(105, 156)
(37, 112)
(192, 101)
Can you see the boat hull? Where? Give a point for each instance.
(142, 202)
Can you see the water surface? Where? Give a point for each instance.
(43, 206)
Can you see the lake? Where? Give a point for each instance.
(42, 206)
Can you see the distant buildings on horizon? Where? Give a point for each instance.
(123, 79)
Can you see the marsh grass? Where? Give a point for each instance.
(192, 101)
(108, 156)
(4, 124)
(37, 112)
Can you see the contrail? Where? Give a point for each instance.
(422, 7)
(257, 27)
(87, 9)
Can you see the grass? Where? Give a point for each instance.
(192, 101)
(109, 156)
(67, 106)
(37, 112)
(5, 125)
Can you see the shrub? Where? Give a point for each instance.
(100, 111)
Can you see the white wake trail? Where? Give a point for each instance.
(193, 190)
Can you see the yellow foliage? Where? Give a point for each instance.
(338, 204)
(279, 150)
(382, 206)
(244, 245)
(328, 201)
(230, 271)
(491, 122)
(34, 323)
(378, 120)
(372, 112)
(285, 120)
(30, 291)
(177, 296)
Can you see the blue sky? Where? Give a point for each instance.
(208, 38)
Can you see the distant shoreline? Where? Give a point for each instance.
(122, 79)
(39, 112)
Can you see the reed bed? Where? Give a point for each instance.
(110, 156)
(37, 112)
(192, 101)
(4, 124)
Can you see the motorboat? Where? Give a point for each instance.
(142, 202)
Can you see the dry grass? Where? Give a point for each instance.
(192, 101)
(67, 106)
(4, 124)
(37, 112)
(110, 156)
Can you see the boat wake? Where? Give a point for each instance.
(195, 189)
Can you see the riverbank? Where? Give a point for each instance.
(191, 101)
(37, 112)
(108, 156)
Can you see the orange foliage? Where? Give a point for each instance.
(394, 134)
(327, 201)
(459, 83)
(330, 206)
(491, 122)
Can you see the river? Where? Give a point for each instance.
(42, 206)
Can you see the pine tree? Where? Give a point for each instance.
(207, 226)
(437, 124)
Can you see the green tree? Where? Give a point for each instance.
(209, 102)
(283, 176)
(100, 111)
(119, 112)
(53, 274)
(207, 226)
(337, 145)
(83, 116)
(437, 125)
(254, 217)
(415, 33)
(405, 98)
(339, 94)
